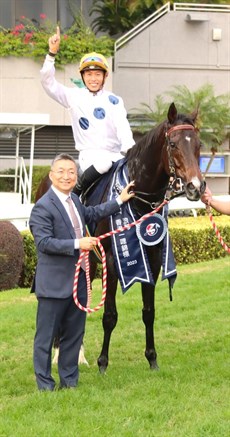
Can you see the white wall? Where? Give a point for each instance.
(21, 90)
(173, 51)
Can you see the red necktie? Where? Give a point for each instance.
(76, 225)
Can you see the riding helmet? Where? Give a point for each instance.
(93, 61)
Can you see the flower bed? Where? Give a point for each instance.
(30, 39)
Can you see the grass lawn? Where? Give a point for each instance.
(188, 397)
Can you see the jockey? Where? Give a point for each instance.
(100, 127)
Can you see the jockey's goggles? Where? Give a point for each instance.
(93, 61)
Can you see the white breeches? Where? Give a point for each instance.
(101, 159)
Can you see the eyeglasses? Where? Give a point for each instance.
(60, 173)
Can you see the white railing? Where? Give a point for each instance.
(21, 179)
(200, 7)
(141, 26)
(24, 185)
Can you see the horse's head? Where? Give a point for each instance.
(183, 152)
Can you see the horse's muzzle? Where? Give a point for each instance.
(193, 192)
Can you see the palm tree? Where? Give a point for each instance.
(213, 115)
(116, 17)
(213, 112)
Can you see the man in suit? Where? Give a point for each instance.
(58, 245)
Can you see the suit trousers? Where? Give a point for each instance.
(63, 316)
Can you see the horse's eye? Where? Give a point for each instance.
(172, 144)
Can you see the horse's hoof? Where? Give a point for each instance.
(154, 366)
(102, 363)
(102, 370)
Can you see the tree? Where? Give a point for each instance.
(213, 115)
(213, 111)
(116, 17)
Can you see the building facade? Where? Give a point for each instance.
(55, 10)
(187, 45)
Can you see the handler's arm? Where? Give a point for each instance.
(219, 205)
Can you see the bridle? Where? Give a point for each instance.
(175, 185)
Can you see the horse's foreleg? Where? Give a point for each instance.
(109, 322)
(110, 316)
(148, 316)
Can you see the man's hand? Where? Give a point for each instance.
(207, 196)
(88, 243)
(127, 192)
(54, 42)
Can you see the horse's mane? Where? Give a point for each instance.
(148, 138)
(153, 134)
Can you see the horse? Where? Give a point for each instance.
(163, 161)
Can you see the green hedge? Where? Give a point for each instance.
(11, 255)
(30, 260)
(189, 245)
(29, 40)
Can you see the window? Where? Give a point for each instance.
(217, 165)
(12, 10)
(33, 9)
(6, 14)
(55, 11)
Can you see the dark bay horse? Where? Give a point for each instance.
(167, 157)
(168, 153)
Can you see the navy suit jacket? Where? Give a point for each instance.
(54, 238)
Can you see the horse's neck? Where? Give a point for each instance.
(146, 162)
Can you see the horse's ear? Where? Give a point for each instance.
(172, 113)
(194, 114)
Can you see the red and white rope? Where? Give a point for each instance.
(85, 254)
(104, 268)
(223, 244)
(89, 290)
